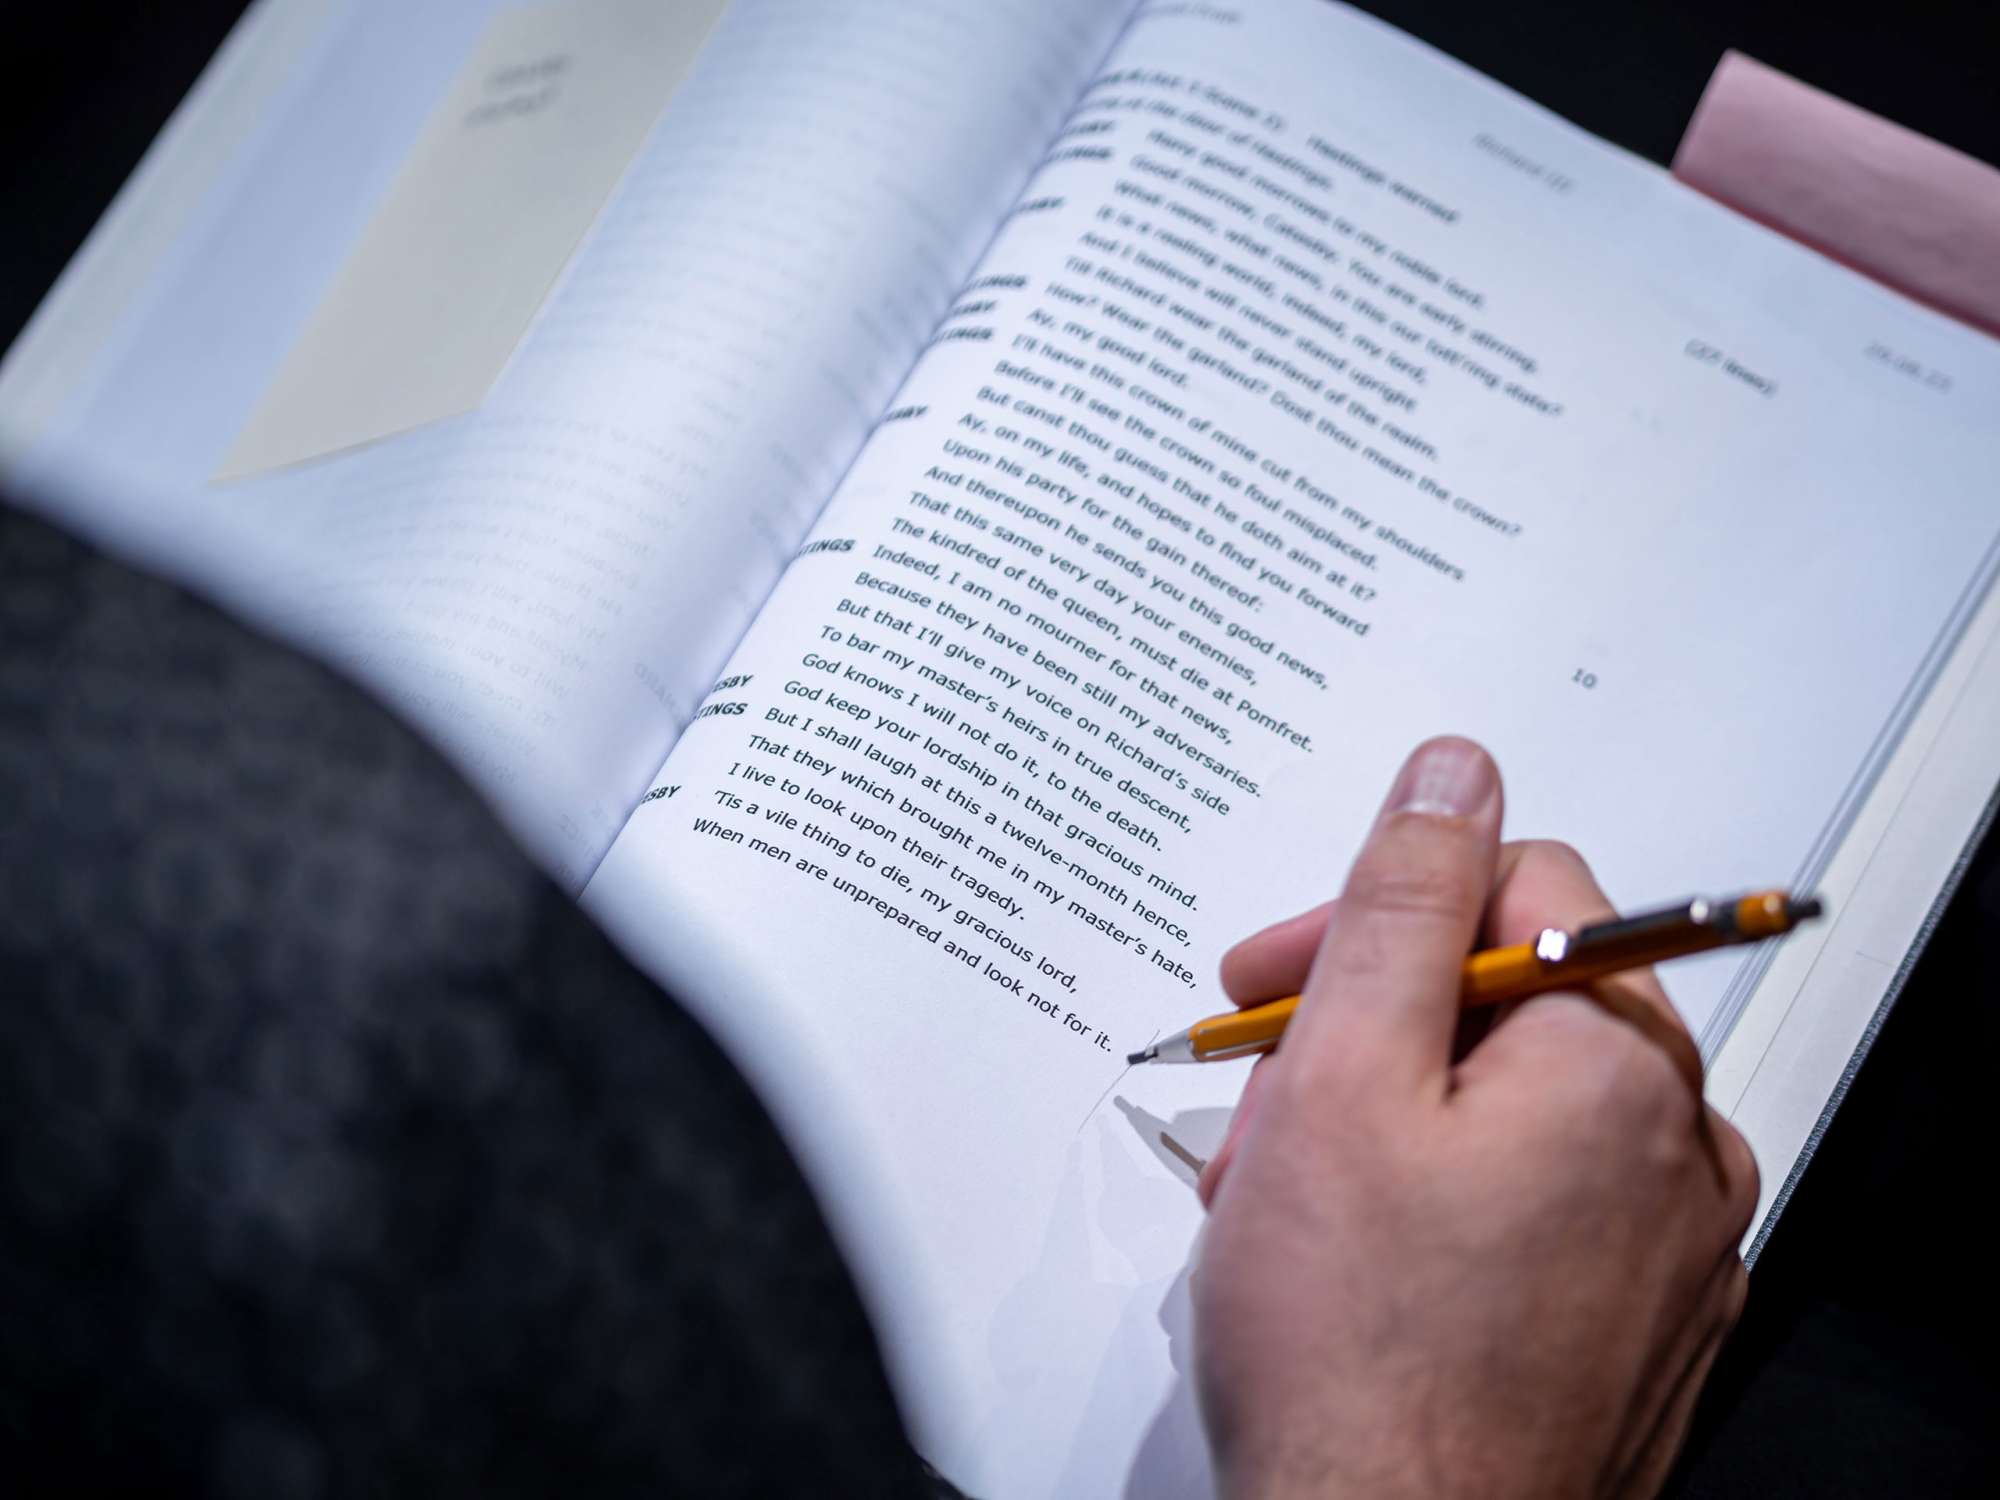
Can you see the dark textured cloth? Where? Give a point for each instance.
(339, 1153)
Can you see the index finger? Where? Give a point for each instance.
(1273, 964)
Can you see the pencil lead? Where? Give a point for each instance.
(1145, 1054)
(1804, 908)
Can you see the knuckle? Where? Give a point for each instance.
(1562, 880)
(1558, 855)
(1410, 887)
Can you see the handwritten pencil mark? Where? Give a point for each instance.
(1110, 1086)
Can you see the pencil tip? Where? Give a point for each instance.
(1805, 908)
(1133, 1059)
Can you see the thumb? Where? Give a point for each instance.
(1382, 1002)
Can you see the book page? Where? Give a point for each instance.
(544, 585)
(1319, 396)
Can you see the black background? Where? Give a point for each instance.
(1864, 1364)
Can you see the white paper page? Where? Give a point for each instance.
(544, 584)
(1677, 561)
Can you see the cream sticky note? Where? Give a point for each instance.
(492, 200)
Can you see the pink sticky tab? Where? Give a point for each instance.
(1918, 216)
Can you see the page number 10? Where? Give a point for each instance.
(1584, 679)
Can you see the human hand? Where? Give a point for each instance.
(1430, 1270)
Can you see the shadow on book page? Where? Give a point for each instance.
(1108, 1299)
(498, 191)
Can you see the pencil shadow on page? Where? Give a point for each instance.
(1183, 1144)
(1123, 1224)
(1172, 1458)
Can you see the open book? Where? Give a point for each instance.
(975, 524)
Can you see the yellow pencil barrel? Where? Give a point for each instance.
(1557, 961)
(1243, 1032)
